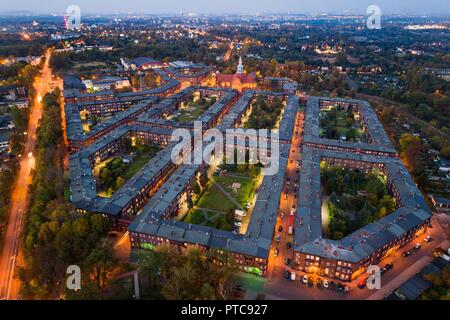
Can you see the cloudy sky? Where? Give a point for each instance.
(230, 6)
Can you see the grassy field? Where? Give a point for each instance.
(245, 193)
(221, 206)
(214, 199)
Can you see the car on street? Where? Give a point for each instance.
(293, 275)
(325, 284)
(383, 271)
(332, 285)
(417, 246)
(319, 283)
(406, 254)
(282, 214)
(287, 261)
(305, 279)
(276, 252)
(389, 266)
(346, 289)
(340, 287)
(310, 282)
(427, 239)
(280, 229)
(362, 283)
(287, 274)
(277, 239)
(288, 245)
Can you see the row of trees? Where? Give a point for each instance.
(23, 75)
(55, 235)
(191, 274)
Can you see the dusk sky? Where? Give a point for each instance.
(230, 6)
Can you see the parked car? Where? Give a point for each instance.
(319, 283)
(417, 246)
(340, 287)
(325, 284)
(287, 261)
(406, 253)
(280, 229)
(389, 266)
(293, 275)
(305, 279)
(346, 289)
(277, 239)
(310, 282)
(427, 239)
(282, 214)
(288, 245)
(362, 283)
(276, 252)
(332, 285)
(287, 274)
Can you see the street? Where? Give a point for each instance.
(10, 254)
(277, 287)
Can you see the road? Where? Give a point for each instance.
(9, 285)
(228, 53)
(288, 201)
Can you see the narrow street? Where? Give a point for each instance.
(10, 254)
(287, 202)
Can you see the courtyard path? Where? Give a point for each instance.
(228, 195)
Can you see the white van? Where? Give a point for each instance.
(293, 276)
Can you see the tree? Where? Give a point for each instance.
(410, 150)
(190, 204)
(196, 188)
(203, 180)
(101, 263)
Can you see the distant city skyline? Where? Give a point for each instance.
(416, 7)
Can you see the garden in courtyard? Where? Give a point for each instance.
(353, 199)
(339, 124)
(192, 109)
(215, 198)
(264, 114)
(115, 171)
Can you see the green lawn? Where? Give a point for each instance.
(192, 111)
(214, 199)
(245, 193)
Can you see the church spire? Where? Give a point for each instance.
(240, 67)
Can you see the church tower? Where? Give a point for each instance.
(240, 67)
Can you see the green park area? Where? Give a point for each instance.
(264, 114)
(353, 199)
(339, 124)
(193, 108)
(114, 172)
(224, 192)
